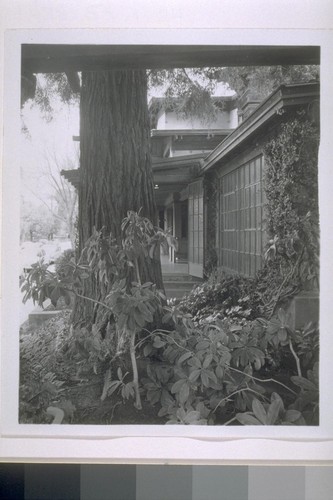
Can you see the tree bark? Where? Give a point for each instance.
(115, 162)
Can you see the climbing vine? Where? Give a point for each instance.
(292, 216)
(211, 200)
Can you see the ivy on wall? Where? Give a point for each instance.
(292, 215)
(291, 186)
(210, 190)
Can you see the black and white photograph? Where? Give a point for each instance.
(169, 235)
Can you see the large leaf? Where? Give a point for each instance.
(273, 411)
(259, 411)
(202, 345)
(55, 295)
(282, 334)
(273, 327)
(247, 419)
(147, 349)
(219, 371)
(292, 416)
(184, 393)
(166, 398)
(193, 417)
(205, 379)
(245, 355)
(303, 383)
(158, 342)
(178, 385)
(207, 361)
(282, 317)
(154, 395)
(195, 362)
(184, 357)
(194, 375)
(139, 318)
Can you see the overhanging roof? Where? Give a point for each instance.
(176, 171)
(53, 58)
(189, 132)
(173, 174)
(284, 97)
(192, 160)
(72, 176)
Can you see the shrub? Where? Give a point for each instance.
(42, 371)
(209, 372)
(63, 261)
(221, 297)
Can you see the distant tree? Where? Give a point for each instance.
(62, 199)
(262, 80)
(36, 222)
(187, 91)
(65, 209)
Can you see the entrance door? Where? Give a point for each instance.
(195, 229)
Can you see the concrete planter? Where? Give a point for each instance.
(303, 309)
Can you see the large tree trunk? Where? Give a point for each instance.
(115, 163)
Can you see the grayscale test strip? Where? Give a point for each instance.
(164, 482)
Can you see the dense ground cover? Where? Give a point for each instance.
(219, 364)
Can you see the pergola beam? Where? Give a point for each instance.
(44, 58)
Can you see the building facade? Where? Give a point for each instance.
(214, 202)
(210, 178)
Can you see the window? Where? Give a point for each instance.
(195, 228)
(241, 202)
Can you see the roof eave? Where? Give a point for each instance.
(203, 131)
(179, 161)
(277, 101)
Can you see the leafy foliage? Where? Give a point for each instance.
(291, 185)
(205, 372)
(308, 398)
(188, 92)
(263, 80)
(64, 260)
(42, 382)
(50, 89)
(272, 413)
(130, 305)
(222, 296)
(199, 371)
(40, 284)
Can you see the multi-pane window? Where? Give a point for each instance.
(241, 235)
(195, 227)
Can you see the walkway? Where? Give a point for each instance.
(177, 281)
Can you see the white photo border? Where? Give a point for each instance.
(160, 444)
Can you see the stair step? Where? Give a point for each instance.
(176, 288)
(178, 285)
(176, 294)
(181, 277)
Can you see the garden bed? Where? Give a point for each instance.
(181, 384)
(50, 376)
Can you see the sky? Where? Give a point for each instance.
(42, 140)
